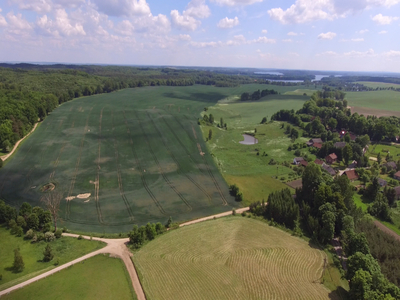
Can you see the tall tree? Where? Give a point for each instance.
(18, 264)
(52, 201)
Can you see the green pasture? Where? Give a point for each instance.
(301, 92)
(65, 249)
(394, 150)
(99, 277)
(231, 258)
(240, 164)
(375, 85)
(377, 100)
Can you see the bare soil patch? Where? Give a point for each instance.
(374, 112)
(48, 187)
(295, 184)
(83, 196)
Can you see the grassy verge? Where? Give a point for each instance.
(99, 277)
(65, 249)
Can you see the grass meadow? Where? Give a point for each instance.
(379, 103)
(231, 258)
(65, 249)
(99, 277)
(139, 153)
(375, 85)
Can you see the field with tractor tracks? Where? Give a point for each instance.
(231, 258)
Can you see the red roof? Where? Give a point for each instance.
(317, 145)
(332, 156)
(304, 163)
(397, 174)
(319, 162)
(352, 174)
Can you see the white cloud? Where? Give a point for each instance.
(61, 25)
(236, 2)
(204, 44)
(362, 31)
(17, 24)
(383, 32)
(264, 31)
(3, 21)
(197, 9)
(383, 20)
(294, 54)
(124, 28)
(237, 40)
(327, 53)
(292, 33)
(326, 36)
(265, 40)
(228, 23)
(353, 53)
(357, 40)
(123, 7)
(391, 54)
(185, 37)
(184, 21)
(287, 41)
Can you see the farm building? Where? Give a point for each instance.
(304, 163)
(397, 175)
(391, 165)
(314, 141)
(382, 182)
(351, 175)
(297, 160)
(340, 145)
(331, 158)
(317, 145)
(329, 169)
(353, 165)
(397, 190)
(318, 162)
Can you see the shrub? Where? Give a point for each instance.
(18, 264)
(49, 236)
(64, 229)
(234, 212)
(40, 236)
(58, 233)
(244, 214)
(80, 237)
(57, 261)
(48, 253)
(29, 234)
(34, 239)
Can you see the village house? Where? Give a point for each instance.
(397, 175)
(382, 182)
(391, 165)
(331, 158)
(340, 145)
(397, 190)
(317, 145)
(297, 160)
(304, 163)
(318, 162)
(311, 142)
(351, 175)
(329, 169)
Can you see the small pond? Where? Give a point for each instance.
(249, 140)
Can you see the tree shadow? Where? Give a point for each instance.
(339, 294)
(12, 270)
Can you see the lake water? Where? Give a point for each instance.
(248, 140)
(269, 73)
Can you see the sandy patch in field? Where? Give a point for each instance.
(70, 198)
(103, 160)
(83, 196)
(373, 158)
(166, 168)
(86, 201)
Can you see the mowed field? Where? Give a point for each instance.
(99, 277)
(231, 258)
(139, 153)
(378, 103)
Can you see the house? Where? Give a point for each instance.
(329, 169)
(351, 175)
(397, 190)
(353, 165)
(331, 158)
(397, 175)
(382, 182)
(340, 145)
(317, 145)
(391, 165)
(297, 160)
(314, 141)
(304, 163)
(318, 162)
(352, 136)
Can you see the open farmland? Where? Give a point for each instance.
(378, 103)
(231, 258)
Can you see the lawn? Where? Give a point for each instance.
(99, 277)
(65, 249)
(394, 151)
(240, 164)
(359, 202)
(231, 258)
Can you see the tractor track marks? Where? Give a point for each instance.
(142, 177)
(176, 160)
(224, 201)
(120, 185)
(160, 168)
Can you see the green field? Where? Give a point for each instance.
(240, 164)
(378, 100)
(231, 258)
(394, 151)
(137, 153)
(99, 277)
(375, 85)
(65, 249)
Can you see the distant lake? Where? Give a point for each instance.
(248, 140)
(269, 73)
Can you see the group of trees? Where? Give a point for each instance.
(257, 95)
(235, 192)
(139, 235)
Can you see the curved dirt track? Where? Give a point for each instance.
(238, 211)
(387, 230)
(4, 157)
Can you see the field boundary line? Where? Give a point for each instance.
(97, 182)
(160, 168)
(144, 182)
(177, 162)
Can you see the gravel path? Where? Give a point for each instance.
(238, 211)
(4, 157)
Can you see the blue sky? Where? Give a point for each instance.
(347, 35)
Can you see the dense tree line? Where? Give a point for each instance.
(139, 235)
(257, 95)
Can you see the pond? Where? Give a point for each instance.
(249, 140)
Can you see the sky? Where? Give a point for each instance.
(338, 35)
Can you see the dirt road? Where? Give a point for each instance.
(4, 157)
(387, 230)
(115, 247)
(238, 211)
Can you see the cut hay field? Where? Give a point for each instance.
(99, 277)
(375, 85)
(379, 103)
(231, 258)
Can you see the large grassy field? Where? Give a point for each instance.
(99, 277)
(231, 258)
(65, 249)
(380, 103)
(137, 152)
(375, 85)
(240, 164)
